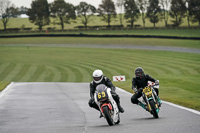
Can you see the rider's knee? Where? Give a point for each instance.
(134, 100)
(90, 103)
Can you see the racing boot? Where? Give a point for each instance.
(159, 101)
(120, 108)
(142, 105)
(101, 115)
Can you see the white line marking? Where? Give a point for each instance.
(6, 89)
(172, 104)
(181, 107)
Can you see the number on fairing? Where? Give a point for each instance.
(102, 94)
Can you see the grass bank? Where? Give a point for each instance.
(178, 72)
(94, 21)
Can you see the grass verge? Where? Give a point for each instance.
(3, 85)
(178, 72)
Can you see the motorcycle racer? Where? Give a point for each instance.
(138, 83)
(99, 78)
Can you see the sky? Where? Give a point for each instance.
(27, 3)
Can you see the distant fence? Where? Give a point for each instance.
(105, 36)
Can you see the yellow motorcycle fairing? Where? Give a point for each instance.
(147, 91)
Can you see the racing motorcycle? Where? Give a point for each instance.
(107, 104)
(151, 99)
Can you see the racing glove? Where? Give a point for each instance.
(156, 82)
(135, 90)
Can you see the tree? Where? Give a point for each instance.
(131, 11)
(62, 10)
(107, 11)
(120, 5)
(188, 11)
(195, 11)
(153, 11)
(85, 11)
(142, 5)
(4, 12)
(165, 4)
(178, 10)
(22, 10)
(39, 13)
(13, 12)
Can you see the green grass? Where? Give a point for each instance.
(105, 41)
(178, 72)
(3, 84)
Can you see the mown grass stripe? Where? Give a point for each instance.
(83, 71)
(7, 71)
(136, 61)
(77, 76)
(23, 70)
(64, 73)
(3, 66)
(38, 72)
(97, 66)
(166, 68)
(120, 69)
(13, 72)
(180, 66)
(109, 72)
(53, 74)
(27, 76)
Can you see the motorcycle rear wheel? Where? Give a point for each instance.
(107, 115)
(153, 109)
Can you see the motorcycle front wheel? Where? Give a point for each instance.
(118, 120)
(153, 109)
(107, 115)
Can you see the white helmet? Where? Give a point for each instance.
(97, 76)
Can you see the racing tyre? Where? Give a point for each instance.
(153, 109)
(106, 112)
(118, 120)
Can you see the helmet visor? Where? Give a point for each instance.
(97, 78)
(138, 74)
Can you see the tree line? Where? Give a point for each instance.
(130, 10)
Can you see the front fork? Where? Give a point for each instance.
(154, 98)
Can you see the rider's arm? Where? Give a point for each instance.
(92, 90)
(149, 78)
(152, 79)
(109, 84)
(134, 85)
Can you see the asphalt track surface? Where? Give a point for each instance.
(63, 108)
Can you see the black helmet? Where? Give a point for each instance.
(139, 72)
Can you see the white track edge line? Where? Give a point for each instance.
(171, 104)
(6, 89)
